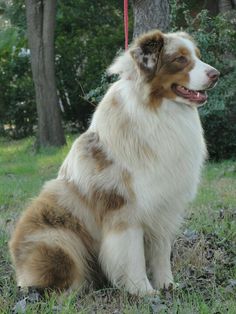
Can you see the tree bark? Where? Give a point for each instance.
(41, 19)
(225, 6)
(212, 6)
(150, 14)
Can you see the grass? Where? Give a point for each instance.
(204, 254)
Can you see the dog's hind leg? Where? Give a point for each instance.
(122, 259)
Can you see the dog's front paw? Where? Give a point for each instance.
(151, 293)
(147, 292)
(170, 286)
(144, 289)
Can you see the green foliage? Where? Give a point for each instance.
(216, 37)
(87, 38)
(95, 95)
(15, 13)
(17, 106)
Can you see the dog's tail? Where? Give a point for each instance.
(50, 247)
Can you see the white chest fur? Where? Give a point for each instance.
(169, 181)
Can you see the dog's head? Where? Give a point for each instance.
(170, 64)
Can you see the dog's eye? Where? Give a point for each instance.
(181, 59)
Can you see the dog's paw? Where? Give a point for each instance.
(152, 292)
(147, 293)
(171, 286)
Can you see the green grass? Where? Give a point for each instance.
(204, 254)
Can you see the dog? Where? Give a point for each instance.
(122, 190)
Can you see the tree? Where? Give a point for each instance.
(225, 5)
(41, 16)
(150, 14)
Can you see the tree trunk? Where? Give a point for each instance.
(225, 6)
(212, 6)
(150, 14)
(41, 17)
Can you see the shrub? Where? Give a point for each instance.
(17, 106)
(85, 45)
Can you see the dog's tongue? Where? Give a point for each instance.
(191, 94)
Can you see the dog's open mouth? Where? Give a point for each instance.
(196, 96)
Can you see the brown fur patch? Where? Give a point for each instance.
(58, 217)
(98, 200)
(101, 201)
(122, 226)
(109, 200)
(51, 267)
(146, 52)
(114, 102)
(150, 42)
(171, 72)
(90, 146)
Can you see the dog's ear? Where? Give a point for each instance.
(147, 51)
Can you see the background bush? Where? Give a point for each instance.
(17, 105)
(88, 36)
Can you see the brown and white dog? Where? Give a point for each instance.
(121, 192)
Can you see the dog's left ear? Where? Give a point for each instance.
(147, 51)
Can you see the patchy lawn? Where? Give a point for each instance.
(204, 254)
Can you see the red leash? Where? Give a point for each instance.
(126, 24)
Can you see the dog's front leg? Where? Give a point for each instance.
(122, 259)
(160, 263)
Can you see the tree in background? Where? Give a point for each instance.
(41, 17)
(150, 14)
(226, 5)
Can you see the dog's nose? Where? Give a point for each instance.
(213, 75)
